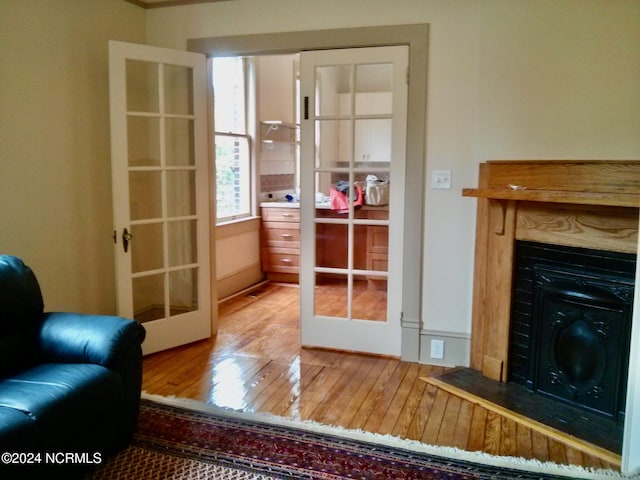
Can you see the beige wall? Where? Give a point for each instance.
(55, 173)
(508, 79)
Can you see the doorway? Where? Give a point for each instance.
(416, 38)
(353, 145)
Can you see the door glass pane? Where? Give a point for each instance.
(145, 195)
(183, 288)
(333, 143)
(325, 181)
(142, 86)
(146, 247)
(333, 87)
(143, 141)
(179, 150)
(377, 189)
(148, 298)
(332, 245)
(178, 84)
(372, 140)
(182, 242)
(331, 296)
(181, 197)
(373, 89)
(360, 247)
(369, 300)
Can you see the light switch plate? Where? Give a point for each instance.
(441, 179)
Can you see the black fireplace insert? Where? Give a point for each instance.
(570, 324)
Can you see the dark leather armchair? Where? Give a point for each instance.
(69, 382)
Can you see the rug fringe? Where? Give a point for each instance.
(392, 441)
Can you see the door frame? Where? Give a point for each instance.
(416, 36)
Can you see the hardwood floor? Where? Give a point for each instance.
(255, 364)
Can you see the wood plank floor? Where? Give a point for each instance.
(255, 364)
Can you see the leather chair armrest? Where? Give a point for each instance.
(82, 338)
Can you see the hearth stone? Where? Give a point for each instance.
(571, 321)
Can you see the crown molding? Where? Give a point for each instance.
(146, 4)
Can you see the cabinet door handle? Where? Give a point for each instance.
(287, 235)
(286, 260)
(287, 215)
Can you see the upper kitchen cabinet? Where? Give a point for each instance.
(372, 139)
(370, 114)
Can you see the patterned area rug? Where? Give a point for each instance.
(172, 442)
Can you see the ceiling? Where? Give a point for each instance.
(169, 3)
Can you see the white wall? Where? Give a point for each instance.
(508, 79)
(55, 167)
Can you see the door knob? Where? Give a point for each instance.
(126, 238)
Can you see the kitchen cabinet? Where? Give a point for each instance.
(377, 257)
(372, 136)
(280, 242)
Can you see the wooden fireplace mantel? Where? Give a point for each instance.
(591, 204)
(555, 196)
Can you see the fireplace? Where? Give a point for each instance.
(570, 324)
(583, 205)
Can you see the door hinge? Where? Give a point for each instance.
(115, 237)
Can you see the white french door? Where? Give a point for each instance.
(354, 106)
(158, 104)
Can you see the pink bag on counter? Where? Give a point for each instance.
(339, 201)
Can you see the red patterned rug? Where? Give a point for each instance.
(176, 442)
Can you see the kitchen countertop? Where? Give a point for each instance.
(280, 204)
(322, 205)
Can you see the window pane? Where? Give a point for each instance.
(179, 142)
(183, 291)
(233, 179)
(142, 86)
(181, 193)
(183, 247)
(143, 141)
(229, 95)
(148, 298)
(333, 87)
(147, 247)
(145, 195)
(178, 85)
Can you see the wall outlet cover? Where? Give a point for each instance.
(437, 349)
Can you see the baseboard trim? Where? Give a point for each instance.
(457, 348)
(239, 280)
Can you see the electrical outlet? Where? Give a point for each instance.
(437, 349)
(441, 179)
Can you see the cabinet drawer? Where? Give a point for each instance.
(283, 260)
(377, 239)
(378, 262)
(281, 234)
(281, 214)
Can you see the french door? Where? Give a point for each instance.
(353, 140)
(160, 177)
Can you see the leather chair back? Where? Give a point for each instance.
(21, 311)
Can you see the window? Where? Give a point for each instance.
(232, 142)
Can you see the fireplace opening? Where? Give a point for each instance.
(571, 323)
